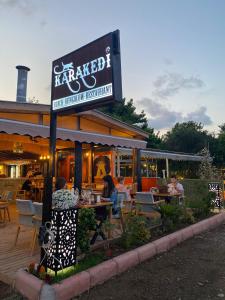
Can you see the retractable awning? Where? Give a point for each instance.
(162, 155)
(170, 155)
(35, 130)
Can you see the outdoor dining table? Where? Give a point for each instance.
(98, 230)
(165, 195)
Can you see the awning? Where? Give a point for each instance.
(35, 130)
(170, 155)
(157, 154)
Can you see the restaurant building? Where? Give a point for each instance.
(109, 146)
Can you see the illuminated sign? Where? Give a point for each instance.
(88, 77)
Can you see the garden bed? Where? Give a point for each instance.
(32, 287)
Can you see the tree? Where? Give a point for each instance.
(206, 168)
(187, 137)
(218, 148)
(154, 140)
(126, 112)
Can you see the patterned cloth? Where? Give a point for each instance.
(63, 199)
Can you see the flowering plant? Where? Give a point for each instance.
(40, 272)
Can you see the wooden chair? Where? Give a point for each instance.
(26, 212)
(37, 220)
(21, 194)
(7, 196)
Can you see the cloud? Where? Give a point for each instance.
(168, 61)
(43, 23)
(25, 6)
(199, 114)
(170, 84)
(161, 117)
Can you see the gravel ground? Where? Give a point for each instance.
(194, 270)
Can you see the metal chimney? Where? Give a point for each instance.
(22, 83)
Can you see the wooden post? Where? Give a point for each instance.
(78, 166)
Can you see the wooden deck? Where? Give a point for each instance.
(13, 258)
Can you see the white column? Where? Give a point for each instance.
(167, 168)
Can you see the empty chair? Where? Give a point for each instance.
(145, 206)
(37, 220)
(146, 197)
(21, 194)
(26, 211)
(7, 196)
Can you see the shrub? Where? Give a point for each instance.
(202, 207)
(136, 231)
(170, 216)
(86, 223)
(175, 215)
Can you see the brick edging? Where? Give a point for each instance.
(33, 288)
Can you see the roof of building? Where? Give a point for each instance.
(29, 108)
(36, 130)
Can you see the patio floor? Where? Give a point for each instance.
(13, 258)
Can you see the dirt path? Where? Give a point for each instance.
(194, 270)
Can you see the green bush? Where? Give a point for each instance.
(136, 231)
(170, 216)
(202, 207)
(86, 223)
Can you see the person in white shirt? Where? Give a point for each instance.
(174, 188)
(122, 188)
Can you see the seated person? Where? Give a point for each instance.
(27, 187)
(63, 198)
(122, 188)
(174, 188)
(29, 173)
(110, 192)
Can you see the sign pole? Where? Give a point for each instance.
(78, 166)
(48, 181)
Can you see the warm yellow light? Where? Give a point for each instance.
(44, 157)
(41, 157)
(48, 156)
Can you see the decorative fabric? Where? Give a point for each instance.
(63, 199)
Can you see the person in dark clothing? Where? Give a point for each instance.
(108, 186)
(110, 192)
(27, 185)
